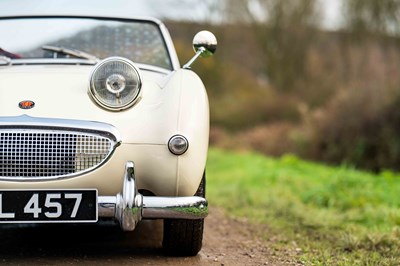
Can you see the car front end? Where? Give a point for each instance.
(118, 131)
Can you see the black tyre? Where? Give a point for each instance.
(184, 237)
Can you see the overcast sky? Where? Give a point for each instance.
(157, 8)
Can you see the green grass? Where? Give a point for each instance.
(336, 215)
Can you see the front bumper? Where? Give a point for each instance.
(129, 207)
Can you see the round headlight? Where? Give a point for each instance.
(115, 83)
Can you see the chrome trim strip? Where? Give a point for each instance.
(129, 207)
(89, 16)
(52, 61)
(151, 68)
(170, 47)
(26, 121)
(74, 61)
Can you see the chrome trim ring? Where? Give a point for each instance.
(184, 141)
(95, 95)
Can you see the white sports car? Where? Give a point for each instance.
(98, 120)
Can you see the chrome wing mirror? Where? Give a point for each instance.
(204, 44)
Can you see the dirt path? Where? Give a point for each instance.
(226, 242)
(234, 242)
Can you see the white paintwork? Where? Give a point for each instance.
(174, 103)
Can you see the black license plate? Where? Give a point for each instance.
(48, 206)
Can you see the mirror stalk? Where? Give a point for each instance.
(194, 58)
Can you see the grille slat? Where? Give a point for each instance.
(40, 153)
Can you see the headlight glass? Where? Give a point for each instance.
(115, 83)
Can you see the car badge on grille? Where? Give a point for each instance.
(26, 104)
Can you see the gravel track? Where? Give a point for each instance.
(226, 242)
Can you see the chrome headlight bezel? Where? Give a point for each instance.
(136, 79)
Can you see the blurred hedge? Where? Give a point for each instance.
(343, 108)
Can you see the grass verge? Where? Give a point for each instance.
(336, 215)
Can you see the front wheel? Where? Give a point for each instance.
(184, 237)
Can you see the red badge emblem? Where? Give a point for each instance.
(26, 105)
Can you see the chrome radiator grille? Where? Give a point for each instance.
(46, 154)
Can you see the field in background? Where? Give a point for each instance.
(336, 215)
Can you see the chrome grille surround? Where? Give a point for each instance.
(43, 149)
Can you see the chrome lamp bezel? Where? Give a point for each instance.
(94, 95)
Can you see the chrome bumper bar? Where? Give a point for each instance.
(129, 207)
